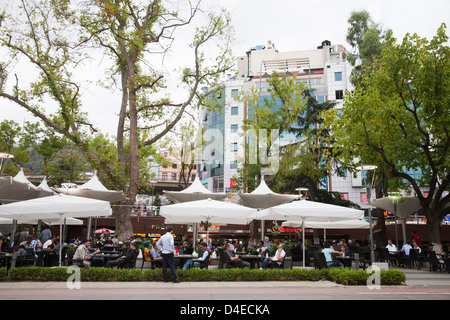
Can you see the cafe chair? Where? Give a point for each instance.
(155, 263)
(435, 263)
(414, 260)
(319, 260)
(276, 265)
(143, 259)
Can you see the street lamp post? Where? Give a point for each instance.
(395, 198)
(368, 189)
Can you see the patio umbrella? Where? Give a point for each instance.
(209, 210)
(52, 222)
(93, 189)
(342, 224)
(309, 211)
(19, 188)
(262, 198)
(59, 206)
(196, 191)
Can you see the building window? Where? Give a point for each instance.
(338, 76)
(234, 111)
(235, 92)
(339, 94)
(164, 176)
(174, 177)
(233, 165)
(234, 128)
(174, 166)
(234, 146)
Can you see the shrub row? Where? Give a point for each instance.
(342, 276)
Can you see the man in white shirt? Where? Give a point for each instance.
(167, 249)
(196, 263)
(278, 257)
(392, 248)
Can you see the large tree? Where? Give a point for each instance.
(56, 37)
(399, 116)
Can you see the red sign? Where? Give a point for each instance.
(364, 197)
(232, 183)
(344, 196)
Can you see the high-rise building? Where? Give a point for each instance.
(324, 69)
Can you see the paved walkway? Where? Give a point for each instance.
(420, 284)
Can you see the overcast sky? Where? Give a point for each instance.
(291, 25)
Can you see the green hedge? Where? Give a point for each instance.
(342, 276)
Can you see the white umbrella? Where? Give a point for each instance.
(211, 211)
(55, 207)
(405, 205)
(19, 188)
(93, 189)
(305, 211)
(196, 191)
(263, 197)
(52, 222)
(342, 224)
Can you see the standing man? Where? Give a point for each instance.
(167, 249)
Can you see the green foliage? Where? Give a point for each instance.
(344, 276)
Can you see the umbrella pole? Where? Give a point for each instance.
(60, 238)
(262, 230)
(303, 241)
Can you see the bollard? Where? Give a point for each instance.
(356, 255)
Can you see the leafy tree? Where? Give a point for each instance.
(399, 117)
(57, 37)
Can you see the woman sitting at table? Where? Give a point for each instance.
(147, 251)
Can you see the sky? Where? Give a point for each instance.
(290, 24)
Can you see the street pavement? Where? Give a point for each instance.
(420, 285)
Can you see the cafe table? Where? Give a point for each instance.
(252, 259)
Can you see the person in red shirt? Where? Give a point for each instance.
(417, 239)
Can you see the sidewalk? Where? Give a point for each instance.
(420, 284)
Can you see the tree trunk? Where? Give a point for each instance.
(434, 226)
(123, 221)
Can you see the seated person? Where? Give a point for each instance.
(82, 254)
(124, 260)
(146, 251)
(261, 250)
(23, 258)
(197, 262)
(392, 248)
(155, 254)
(278, 257)
(328, 251)
(235, 260)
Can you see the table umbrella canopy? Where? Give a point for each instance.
(52, 222)
(305, 210)
(93, 189)
(342, 224)
(309, 211)
(213, 211)
(19, 188)
(405, 205)
(59, 206)
(262, 197)
(196, 191)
